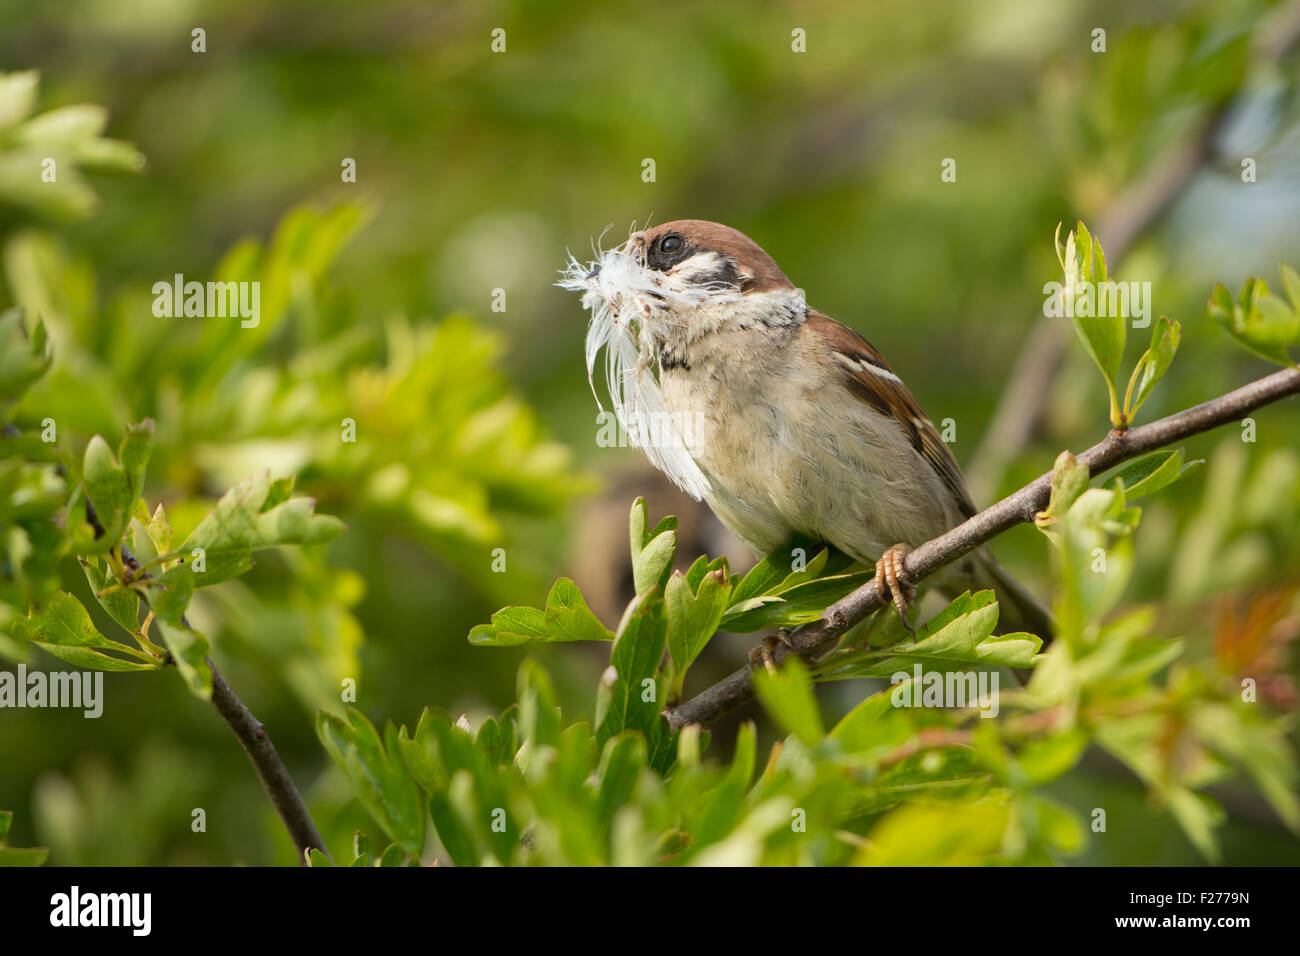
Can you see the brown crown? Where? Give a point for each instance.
(765, 275)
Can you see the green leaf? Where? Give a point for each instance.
(315, 858)
(113, 483)
(122, 605)
(457, 838)
(1150, 473)
(621, 762)
(792, 606)
(63, 628)
(959, 636)
(1199, 816)
(788, 696)
(565, 618)
(1069, 481)
(693, 617)
(1102, 335)
(1153, 364)
(23, 358)
(189, 653)
(17, 96)
(777, 571)
(1042, 761)
(1261, 322)
(653, 551)
(377, 774)
(245, 520)
(635, 697)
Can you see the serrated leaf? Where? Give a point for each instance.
(241, 521)
(566, 617)
(377, 773)
(693, 617)
(63, 628)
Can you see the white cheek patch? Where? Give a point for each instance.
(621, 294)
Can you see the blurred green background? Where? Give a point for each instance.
(476, 171)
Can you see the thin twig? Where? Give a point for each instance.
(814, 639)
(270, 768)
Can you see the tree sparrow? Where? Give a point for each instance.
(783, 420)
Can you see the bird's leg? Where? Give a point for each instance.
(893, 582)
(763, 653)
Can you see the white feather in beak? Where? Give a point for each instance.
(620, 292)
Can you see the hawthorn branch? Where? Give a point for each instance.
(250, 732)
(270, 768)
(818, 637)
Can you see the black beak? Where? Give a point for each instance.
(593, 273)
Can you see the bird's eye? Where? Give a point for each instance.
(670, 244)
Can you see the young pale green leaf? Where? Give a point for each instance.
(786, 567)
(1042, 761)
(788, 696)
(1069, 481)
(63, 628)
(566, 617)
(652, 565)
(1088, 303)
(1261, 322)
(1153, 364)
(874, 725)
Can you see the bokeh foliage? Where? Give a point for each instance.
(475, 171)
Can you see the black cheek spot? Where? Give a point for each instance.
(726, 275)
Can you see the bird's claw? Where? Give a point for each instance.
(894, 582)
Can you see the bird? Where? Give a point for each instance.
(783, 420)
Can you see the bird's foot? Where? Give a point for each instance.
(893, 581)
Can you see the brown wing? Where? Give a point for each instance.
(869, 376)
